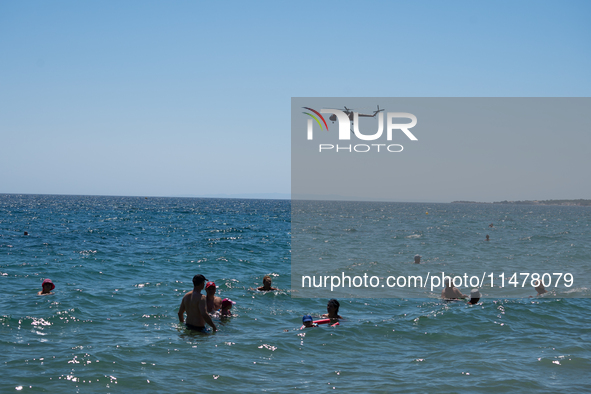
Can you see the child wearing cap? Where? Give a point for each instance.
(226, 306)
(308, 322)
(47, 286)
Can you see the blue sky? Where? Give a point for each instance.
(193, 98)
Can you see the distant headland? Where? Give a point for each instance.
(580, 202)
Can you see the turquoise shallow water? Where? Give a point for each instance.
(121, 266)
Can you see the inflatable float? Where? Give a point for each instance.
(321, 321)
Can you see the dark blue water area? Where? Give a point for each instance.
(122, 264)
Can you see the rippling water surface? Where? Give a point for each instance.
(121, 266)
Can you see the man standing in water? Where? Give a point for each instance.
(195, 304)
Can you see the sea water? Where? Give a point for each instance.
(122, 264)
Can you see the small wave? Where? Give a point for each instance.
(40, 322)
(140, 285)
(270, 347)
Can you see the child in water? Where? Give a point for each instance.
(308, 322)
(226, 306)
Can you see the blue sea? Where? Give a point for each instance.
(122, 264)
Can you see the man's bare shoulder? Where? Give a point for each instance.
(200, 297)
(188, 297)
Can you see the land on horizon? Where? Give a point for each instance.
(579, 202)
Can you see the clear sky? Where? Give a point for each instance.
(193, 98)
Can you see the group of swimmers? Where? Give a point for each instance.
(452, 293)
(331, 317)
(200, 308)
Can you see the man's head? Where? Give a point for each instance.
(267, 281)
(333, 306)
(474, 296)
(210, 288)
(199, 280)
(417, 259)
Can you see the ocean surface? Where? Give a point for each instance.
(122, 264)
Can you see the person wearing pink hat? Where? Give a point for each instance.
(47, 286)
(226, 306)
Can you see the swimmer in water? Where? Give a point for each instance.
(539, 286)
(451, 292)
(308, 322)
(195, 304)
(333, 309)
(214, 303)
(417, 259)
(487, 237)
(47, 286)
(474, 297)
(267, 282)
(226, 306)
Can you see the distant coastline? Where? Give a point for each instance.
(580, 202)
